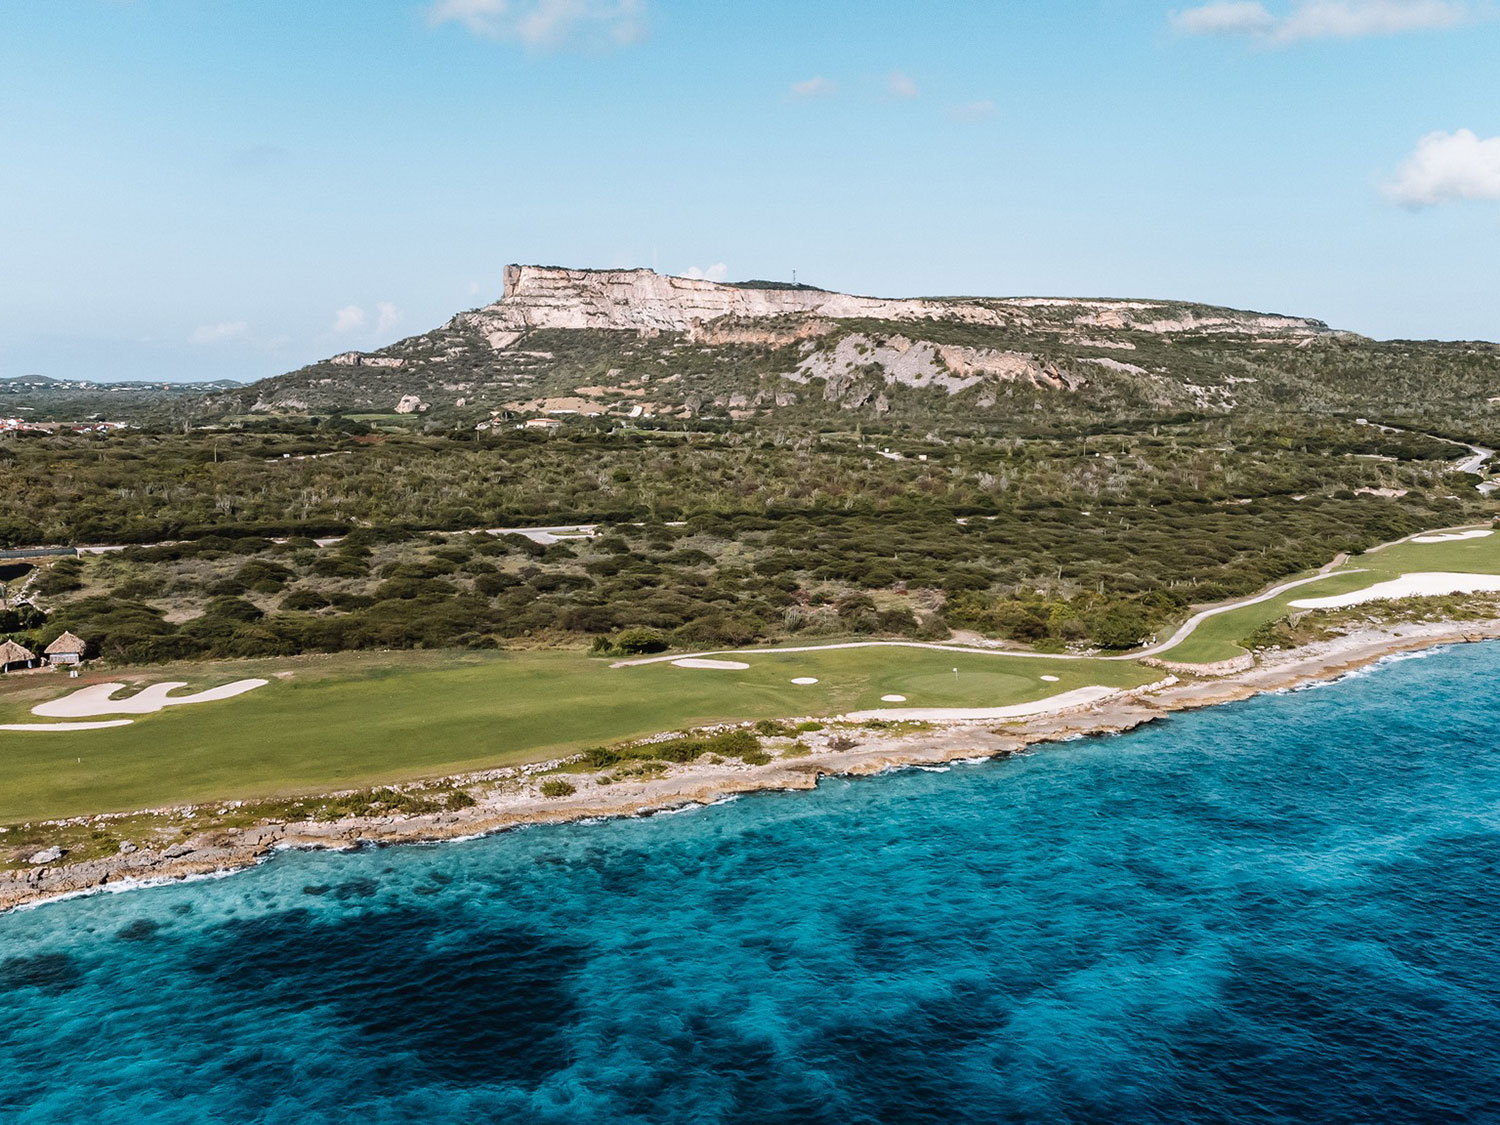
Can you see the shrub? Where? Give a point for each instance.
(232, 609)
(633, 642)
(557, 787)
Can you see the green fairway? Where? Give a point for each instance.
(1216, 638)
(352, 720)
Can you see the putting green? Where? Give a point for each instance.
(357, 719)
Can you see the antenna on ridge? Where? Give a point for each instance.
(794, 279)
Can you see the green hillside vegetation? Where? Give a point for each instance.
(707, 540)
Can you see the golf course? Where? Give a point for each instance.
(319, 723)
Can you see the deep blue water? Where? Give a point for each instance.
(1282, 910)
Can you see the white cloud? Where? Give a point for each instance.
(900, 85)
(547, 24)
(1446, 167)
(1320, 19)
(348, 318)
(1225, 17)
(388, 317)
(814, 87)
(971, 112)
(716, 272)
(220, 333)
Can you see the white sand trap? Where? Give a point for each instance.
(699, 662)
(1430, 584)
(893, 699)
(68, 726)
(1078, 697)
(804, 680)
(1051, 679)
(1453, 536)
(95, 699)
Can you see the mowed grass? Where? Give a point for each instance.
(358, 719)
(1217, 638)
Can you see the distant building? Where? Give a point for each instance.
(14, 656)
(67, 649)
(542, 424)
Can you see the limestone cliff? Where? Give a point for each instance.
(643, 301)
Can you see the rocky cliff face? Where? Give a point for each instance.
(639, 345)
(643, 301)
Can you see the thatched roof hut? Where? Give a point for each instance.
(66, 645)
(13, 655)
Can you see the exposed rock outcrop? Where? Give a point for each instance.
(646, 302)
(923, 364)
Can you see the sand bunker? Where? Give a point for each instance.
(1453, 536)
(1078, 697)
(1423, 585)
(804, 680)
(699, 662)
(95, 699)
(67, 726)
(893, 699)
(1051, 679)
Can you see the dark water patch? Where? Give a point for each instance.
(316, 889)
(464, 1007)
(141, 929)
(45, 972)
(355, 889)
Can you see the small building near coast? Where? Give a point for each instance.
(67, 649)
(14, 657)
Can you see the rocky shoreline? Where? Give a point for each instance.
(502, 806)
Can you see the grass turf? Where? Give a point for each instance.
(1217, 638)
(359, 719)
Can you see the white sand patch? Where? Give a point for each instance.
(1422, 585)
(68, 726)
(804, 681)
(1078, 697)
(893, 699)
(95, 699)
(1453, 536)
(699, 662)
(1051, 679)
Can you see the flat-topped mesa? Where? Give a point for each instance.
(644, 301)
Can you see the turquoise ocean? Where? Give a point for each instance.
(1286, 909)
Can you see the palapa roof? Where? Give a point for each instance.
(65, 644)
(12, 653)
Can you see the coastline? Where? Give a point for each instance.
(504, 805)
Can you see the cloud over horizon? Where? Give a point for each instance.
(716, 272)
(348, 318)
(898, 84)
(1448, 168)
(1319, 19)
(815, 87)
(547, 25)
(220, 333)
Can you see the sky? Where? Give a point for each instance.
(204, 189)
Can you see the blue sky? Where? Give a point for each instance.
(194, 189)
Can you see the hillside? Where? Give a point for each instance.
(633, 344)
